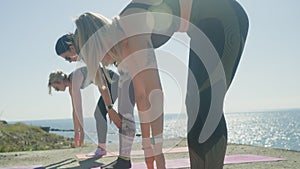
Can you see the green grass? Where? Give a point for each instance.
(22, 137)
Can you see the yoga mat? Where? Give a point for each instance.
(248, 158)
(170, 164)
(136, 153)
(25, 167)
(229, 159)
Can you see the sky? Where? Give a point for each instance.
(267, 77)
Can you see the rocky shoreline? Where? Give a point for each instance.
(22, 137)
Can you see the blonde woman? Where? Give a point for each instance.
(76, 81)
(144, 84)
(129, 41)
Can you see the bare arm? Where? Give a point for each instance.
(75, 94)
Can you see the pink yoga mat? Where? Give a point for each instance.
(230, 159)
(185, 162)
(136, 153)
(25, 167)
(248, 158)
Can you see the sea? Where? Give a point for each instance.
(275, 129)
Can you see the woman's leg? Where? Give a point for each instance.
(157, 125)
(126, 103)
(151, 117)
(101, 123)
(229, 46)
(101, 112)
(147, 145)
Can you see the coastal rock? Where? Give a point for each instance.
(3, 122)
(22, 137)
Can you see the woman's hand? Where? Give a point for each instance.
(115, 117)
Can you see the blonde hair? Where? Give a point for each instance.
(92, 38)
(56, 76)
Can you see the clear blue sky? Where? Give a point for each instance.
(267, 78)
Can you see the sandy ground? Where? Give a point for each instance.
(65, 158)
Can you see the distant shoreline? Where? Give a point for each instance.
(276, 129)
(231, 112)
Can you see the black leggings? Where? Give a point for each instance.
(101, 112)
(228, 40)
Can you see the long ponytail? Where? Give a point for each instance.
(92, 36)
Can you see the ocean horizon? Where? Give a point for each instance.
(275, 129)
